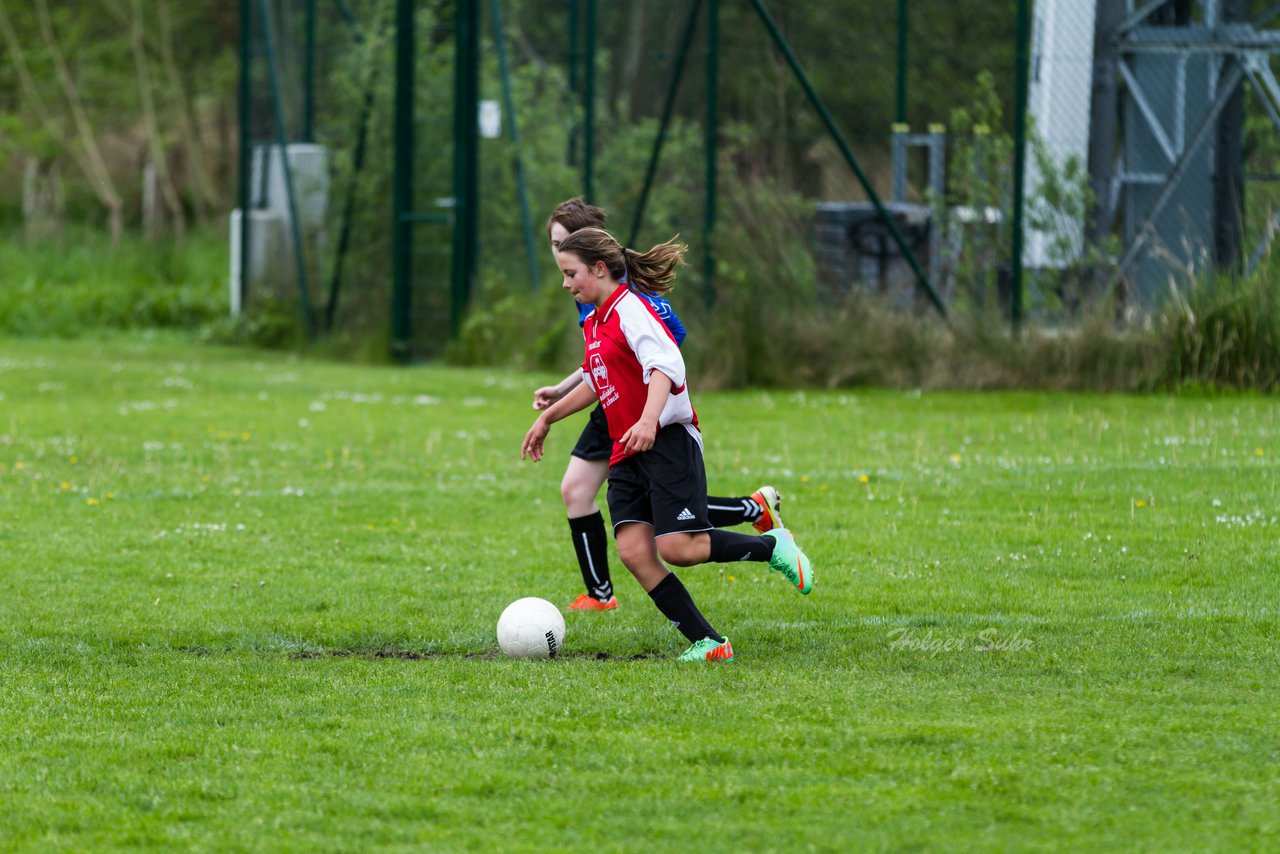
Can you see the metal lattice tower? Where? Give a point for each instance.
(1179, 176)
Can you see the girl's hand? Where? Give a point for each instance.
(545, 396)
(532, 444)
(640, 437)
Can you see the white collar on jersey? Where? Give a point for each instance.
(605, 310)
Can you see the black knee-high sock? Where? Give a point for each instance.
(591, 544)
(727, 512)
(731, 547)
(676, 605)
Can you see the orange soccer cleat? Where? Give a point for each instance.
(590, 603)
(770, 501)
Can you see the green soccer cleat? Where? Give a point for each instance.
(789, 560)
(708, 649)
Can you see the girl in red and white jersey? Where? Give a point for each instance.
(588, 466)
(657, 482)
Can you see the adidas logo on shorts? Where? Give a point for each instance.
(685, 516)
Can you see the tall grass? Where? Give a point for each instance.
(769, 326)
(78, 282)
(1224, 331)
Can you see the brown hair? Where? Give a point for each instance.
(653, 272)
(575, 214)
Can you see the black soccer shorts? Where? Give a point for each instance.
(594, 443)
(664, 487)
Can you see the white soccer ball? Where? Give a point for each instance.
(531, 628)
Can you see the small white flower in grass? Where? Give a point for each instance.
(1217, 502)
(318, 406)
(304, 423)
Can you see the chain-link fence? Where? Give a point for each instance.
(824, 148)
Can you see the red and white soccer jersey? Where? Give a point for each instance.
(625, 343)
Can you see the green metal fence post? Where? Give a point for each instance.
(283, 141)
(402, 192)
(465, 152)
(900, 113)
(672, 88)
(575, 27)
(589, 107)
(509, 104)
(309, 76)
(1021, 87)
(246, 66)
(713, 85)
(847, 153)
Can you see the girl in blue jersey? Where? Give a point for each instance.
(588, 467)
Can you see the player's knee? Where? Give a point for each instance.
(631, 555)
(579, 496)
(681, 550)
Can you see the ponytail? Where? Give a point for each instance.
(652, 273)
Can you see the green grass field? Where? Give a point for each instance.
(249, 600)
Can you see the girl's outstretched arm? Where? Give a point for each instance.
(547, 395)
